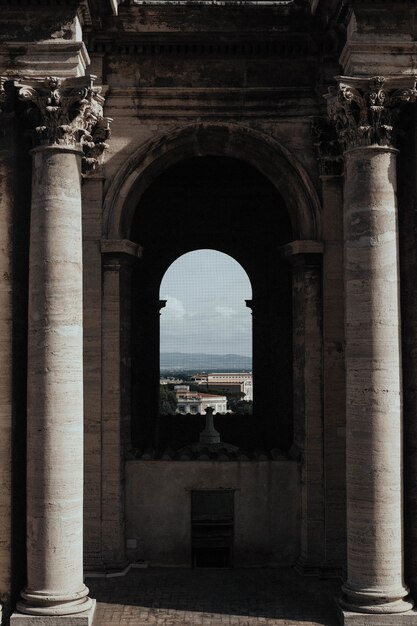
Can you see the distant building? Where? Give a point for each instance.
(170, 381)
(228, 382)
(196, 402)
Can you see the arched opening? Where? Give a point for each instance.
(223, 204)
(205, 336)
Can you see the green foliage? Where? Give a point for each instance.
(167, 400)
(243, 407)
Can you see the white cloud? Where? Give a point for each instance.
(174, 308)
(225, 311)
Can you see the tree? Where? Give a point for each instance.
(243, 407)
(167, 400)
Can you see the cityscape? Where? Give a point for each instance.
(191, 391)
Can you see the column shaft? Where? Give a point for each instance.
(55, 389)
(373, 379)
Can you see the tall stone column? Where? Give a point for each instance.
(69, 127)
(364, 112)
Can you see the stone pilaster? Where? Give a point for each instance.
(364, 112)
(68, 128)
(306, 258)
(407, 198)
(118, 257)
(330, 161)
(6, 341)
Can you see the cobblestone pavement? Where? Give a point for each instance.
(203, 597)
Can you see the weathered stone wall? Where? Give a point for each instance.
(266, 519)
(166, 69)
(240, 69)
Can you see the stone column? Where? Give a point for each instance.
(306, 258)
(67, 116)
(118, 257)
(364, 111)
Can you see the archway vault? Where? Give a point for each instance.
(262, 151)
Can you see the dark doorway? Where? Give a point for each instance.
(212, 521)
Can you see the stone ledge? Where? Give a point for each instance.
(348, 618)
(65, 59)
(79, 619)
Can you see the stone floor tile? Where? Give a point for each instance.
(181, 597)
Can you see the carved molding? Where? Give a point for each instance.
(3, 94)
(365, 110)
(67, 113)
(280, 45)
(6, 112)
(328, 149)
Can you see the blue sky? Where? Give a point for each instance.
(206, 312)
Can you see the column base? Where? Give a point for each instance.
(76, 619)
(350, 618)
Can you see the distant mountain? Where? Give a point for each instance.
(200, 361)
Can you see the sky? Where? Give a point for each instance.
(206, 311)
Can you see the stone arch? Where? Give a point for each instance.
(262, 151)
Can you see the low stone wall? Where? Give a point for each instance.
(266, 516)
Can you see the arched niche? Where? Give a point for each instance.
(283, 341)
(225, 204)
(253, 147)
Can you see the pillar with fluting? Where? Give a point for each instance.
(66, 114)
(364, 111)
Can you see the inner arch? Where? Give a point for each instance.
(224, 204)
(266, 154)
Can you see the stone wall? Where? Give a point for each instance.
(267, 509)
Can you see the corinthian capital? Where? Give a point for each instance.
(68, 113)
(328, 150)
(364, 110)
(6, 111)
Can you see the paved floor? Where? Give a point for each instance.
(216, 597)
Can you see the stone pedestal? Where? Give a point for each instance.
(353, 618)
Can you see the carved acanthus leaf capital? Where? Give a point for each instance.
(68, 113)
(365, 110)
(6, 111)
(328, 149)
